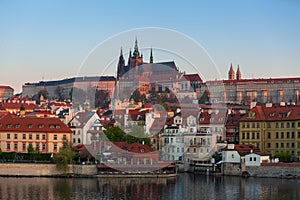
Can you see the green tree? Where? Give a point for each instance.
(64, 157)
(204, 97)
(284, 156)
(30, 151)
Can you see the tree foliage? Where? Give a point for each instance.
(137, 134)
(284, 156)
(64, 157)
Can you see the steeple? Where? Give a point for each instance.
(238, 73)
(231, 73)
(151, 56)
(121, 65)
(136, 52)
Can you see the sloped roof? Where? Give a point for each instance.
(12, 123)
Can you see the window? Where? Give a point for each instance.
(8, 146)
(287, 145)
(288, 124)
(287, 134)
(64, 137)
(248, 125)
(74, 132)
(15, 136)
(299, 124)
(257, 125)
(277, 125)
(15, 145)
(257, 135)
(254, 159)
(277, 135)
(24, 136)
(8, 136)
(248, 136)
(78, 141)
(253, 135)
(55, 147)
(54, 137)
(44, 146)
(298, 134)
(293, 145)
(293, 135)
(30, 136)
(277, 145)
(195, 150)
(253, 125)
(268, 125)
(37, 147)
(41, 125)
(282, 135)
(243, 135)
(281, 145)
(37, 136)
(177, 149)
(269, 135)
(269, 145)
(250, 159)
(243, 125)
(24, 146)
(293, 124)
(29, 125)
(188, 149)
(282, 125)
(74, 140)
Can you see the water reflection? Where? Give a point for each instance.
(185, 186)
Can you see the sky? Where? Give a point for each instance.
(51, 40)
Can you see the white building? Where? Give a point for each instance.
(80, 124)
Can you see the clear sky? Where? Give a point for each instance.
(50, 39)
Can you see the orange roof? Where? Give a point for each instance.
(16, 106)
(32, 124)
(274, 113)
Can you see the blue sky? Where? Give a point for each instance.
(50, 39)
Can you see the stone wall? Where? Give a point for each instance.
(233, 169)
(265, 170)
(26, 169)
(275, 170)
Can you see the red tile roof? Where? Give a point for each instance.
(192, 77)
(244, 149)
(17, 106)
(6, 87)
(12, 123)
(274, 113)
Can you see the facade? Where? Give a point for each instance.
(237, 90)
(65, 86)
(206, 138)
(273, 129)
(6, 92)
(80, 124)
(172, 147)
(46, 135)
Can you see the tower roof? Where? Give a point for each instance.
(231, 69)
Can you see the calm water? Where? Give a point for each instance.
(185, 186)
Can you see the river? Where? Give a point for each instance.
(185, 186)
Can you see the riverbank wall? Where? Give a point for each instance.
(36, 170)
(270, 170)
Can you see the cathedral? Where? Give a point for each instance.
(137, 66)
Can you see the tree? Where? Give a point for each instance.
(30, 151)
(204, 97)
(284, 156)
(64, 157)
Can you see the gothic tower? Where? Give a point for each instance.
(231, 73)
(151, 56)
(238, 73)
(121, 65)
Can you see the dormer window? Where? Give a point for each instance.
(17, 125)
(9, 125)
(41, 125)
(57, 126)
(51, 126)
(29, 125)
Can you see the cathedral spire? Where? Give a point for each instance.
(136, 52)
(151, 56)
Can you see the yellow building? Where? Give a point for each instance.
(273, 129)
(46, 135)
